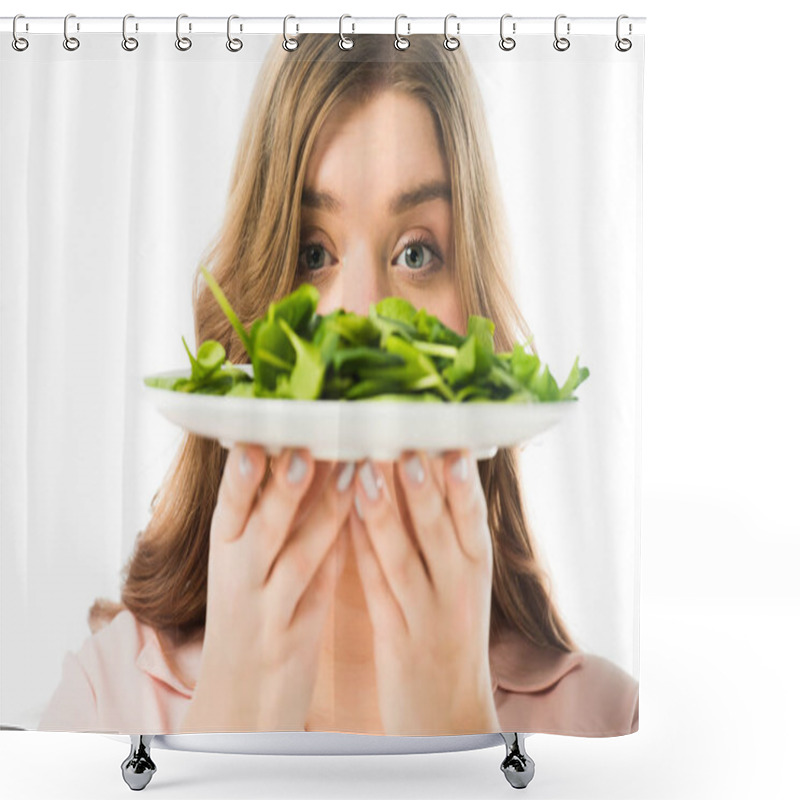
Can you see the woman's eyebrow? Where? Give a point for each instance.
(431, 190)
(403, 201)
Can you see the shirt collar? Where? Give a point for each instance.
(518, 665)
(151, 659)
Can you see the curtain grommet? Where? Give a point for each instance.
(183, 43)
(70, 43)
(234, 45)
(289, 42)
(400, 42)
(19, 43)
(561, 43)
(507, 42)
(451, 42)
(344, 42)
(129, 43)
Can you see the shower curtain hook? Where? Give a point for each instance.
(400, 42)
(286, 38)
(234, 45)
(561, 43)
(70, 42)
(18, 42)
(129, 43)
(344, 42)
(451, 42)
(181, 42)
(506, 42)
(623, 45)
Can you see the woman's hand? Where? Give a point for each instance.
(426, 568)
(274, 560)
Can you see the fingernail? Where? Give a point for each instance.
(345, 476)
(414, 469)
(358, 508)
(245, 465)
(459, 469)
(297, 468)
(369, 480)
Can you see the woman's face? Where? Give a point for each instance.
(376, 214)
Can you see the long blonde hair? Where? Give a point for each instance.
(254, 259)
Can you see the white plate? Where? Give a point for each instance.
(339, 430)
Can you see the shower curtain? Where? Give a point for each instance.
(459, 212)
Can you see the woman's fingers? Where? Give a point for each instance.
(301, 557)
(244, 469)
(322, 471)
(436, 465)
(314, 606)
(467, 504)
(273, 514)
(429, 513)
(393, 546)
(385, 613)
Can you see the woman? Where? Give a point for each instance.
(282, 593)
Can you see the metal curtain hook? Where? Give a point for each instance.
(70, 42)
(181, 42)
(344, 42)
(400, 42)
(451, 42)
(289, 42)
(623, 45)
(234, 45)
(506, 42)
(561, 43)
(129, 43)
(18, 42)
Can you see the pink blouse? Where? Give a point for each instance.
(120, 682)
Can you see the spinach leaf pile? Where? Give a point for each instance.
(397, 352)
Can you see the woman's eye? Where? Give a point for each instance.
(312, 256)
(414, 253)
(416, 257)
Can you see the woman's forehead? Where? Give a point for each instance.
(390, 141)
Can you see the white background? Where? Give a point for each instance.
(719, 598)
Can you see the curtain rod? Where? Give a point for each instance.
(457, 26)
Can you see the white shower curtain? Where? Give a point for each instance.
(114, 180)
